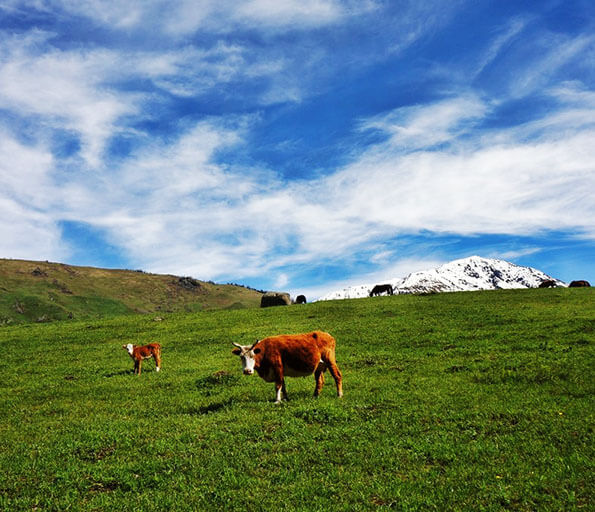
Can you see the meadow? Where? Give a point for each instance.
(460, 401)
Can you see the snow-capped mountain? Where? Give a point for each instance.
(473, 273)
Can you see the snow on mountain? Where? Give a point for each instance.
(473, 273)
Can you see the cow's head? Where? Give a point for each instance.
(247, 354)
(129, 348)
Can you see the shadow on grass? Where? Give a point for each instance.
(210, 408)
(121, 372)
(227, 404)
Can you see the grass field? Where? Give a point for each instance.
(462, 401)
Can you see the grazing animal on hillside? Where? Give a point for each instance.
(579, 284)
(548, 283)
(300, 299)
(291, 355)
(270, 299)
(138, 353)
(381, 288)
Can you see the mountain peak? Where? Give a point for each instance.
(465, 274)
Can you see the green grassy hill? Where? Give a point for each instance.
(462, 401)
(41, 291)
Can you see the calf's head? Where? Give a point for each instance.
(248, 354)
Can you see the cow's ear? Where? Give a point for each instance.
(236, 351)
(257, 350)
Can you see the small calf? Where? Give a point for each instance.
(138, 353)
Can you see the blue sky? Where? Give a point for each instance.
(302, 145)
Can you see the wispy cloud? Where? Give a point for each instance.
(513, 255)
(552, 53)
(469, 184)
(63, 89)
(513, 28)
(418, 127)
(182, 17)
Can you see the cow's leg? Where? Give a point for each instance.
(157, 357)
(279, 384)
(319, 376)
(140, 364)
(335, 372)
(278, 390)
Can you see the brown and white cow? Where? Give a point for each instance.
(138, 353)
(291, 355)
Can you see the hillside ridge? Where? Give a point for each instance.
(38, 291)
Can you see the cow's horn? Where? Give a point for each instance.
(236, 344)
(254, 344)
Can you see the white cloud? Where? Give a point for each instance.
(192, 71)
(513, 255)
(514, 27)
(182, 17)
(282, 281)
(289, 12)
(552, 54)
(187, 16)
(182, 168)
(78, 91)
(63, 89)
(29, 234)
(24, 172)
(472, 185)
(427, 125)
(574, 94)
(26, 194)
